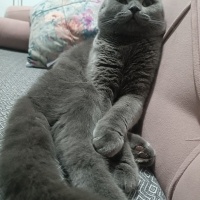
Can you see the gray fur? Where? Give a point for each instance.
(79, 112)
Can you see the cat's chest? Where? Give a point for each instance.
(120, 67)
(132, 60)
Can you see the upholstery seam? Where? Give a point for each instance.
(178, 175)
(176, 23)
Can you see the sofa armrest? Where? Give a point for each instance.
(18, 12)
(14, 34)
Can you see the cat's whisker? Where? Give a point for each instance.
(108, 21)
(156, 22)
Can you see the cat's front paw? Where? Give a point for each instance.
(143, 152)
(107, 140)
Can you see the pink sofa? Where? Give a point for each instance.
(172, 119)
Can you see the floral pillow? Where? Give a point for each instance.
(57, 25)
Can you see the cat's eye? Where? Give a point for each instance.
(123, 1)
(147, 3)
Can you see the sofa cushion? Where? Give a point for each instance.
(57, 25)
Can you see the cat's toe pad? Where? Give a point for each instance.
(144, 154)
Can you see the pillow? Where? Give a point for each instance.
(57, 25)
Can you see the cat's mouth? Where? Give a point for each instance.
(141, 19)
(132, 16)
(138, 16)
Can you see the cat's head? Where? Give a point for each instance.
(132, 17)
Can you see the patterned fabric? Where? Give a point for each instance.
(57, 25)
(15, 80)
(149, 188)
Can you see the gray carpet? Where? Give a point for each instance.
(16, 79)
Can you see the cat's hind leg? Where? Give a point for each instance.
(73, 139)
(124, 166)
(89, 171)
(28, 166)
(125, 170)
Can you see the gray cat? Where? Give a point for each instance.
(68, 139)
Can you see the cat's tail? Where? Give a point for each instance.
(28, 166)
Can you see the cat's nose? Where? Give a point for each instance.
(134, 9)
